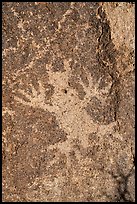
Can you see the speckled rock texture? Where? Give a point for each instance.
(68, 102)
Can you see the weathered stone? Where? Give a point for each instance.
(68, 101)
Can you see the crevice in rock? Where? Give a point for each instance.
(108, 61)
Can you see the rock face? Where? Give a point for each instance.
(68, 102)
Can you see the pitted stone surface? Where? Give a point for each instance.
(67, 103)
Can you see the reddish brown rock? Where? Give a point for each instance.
(68, 101)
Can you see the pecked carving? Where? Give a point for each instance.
(63, 104)
(63, 95)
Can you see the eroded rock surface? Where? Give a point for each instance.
(68, 102)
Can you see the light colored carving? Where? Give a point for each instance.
(68, 108)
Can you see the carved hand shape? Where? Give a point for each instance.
(35, 100)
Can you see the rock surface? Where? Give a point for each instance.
(68, 101)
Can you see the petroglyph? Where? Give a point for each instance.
(68, 108)
(67, 100)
